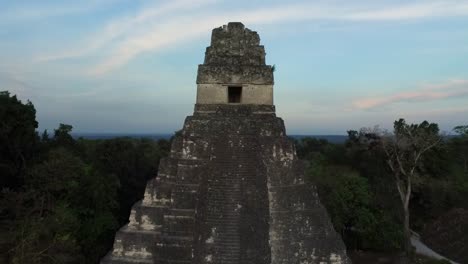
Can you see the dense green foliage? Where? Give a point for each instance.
(18, 139)
(63, 199)
(358, 189)
(351, 191)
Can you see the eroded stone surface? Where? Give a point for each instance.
(235, 57)
(232, 190)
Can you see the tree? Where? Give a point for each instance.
(354, 209)
(461, 145)
(18, 139)
(462, 130)
(308, 147)
(63, 138)
(47, 223)
(404, 150)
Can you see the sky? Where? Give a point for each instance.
(130, 66)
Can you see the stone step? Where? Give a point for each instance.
(146, 217)
(223, 219)
(225, 257)
(226, 218)
(129, 229)
(225, 185)
(229, 213)
(172, 261)
(227, 253)
(227, 237)
(179, 211)
(229, 228)
(178, 217)
(223, 188)
(224, 196)
(224, 192)
(125, 260)
(231, 238)
(230, 160)
(175, 252)
(178, 239)
(225, 202)
(220, 224)
(220, 207)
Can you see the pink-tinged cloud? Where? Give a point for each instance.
(428, 92)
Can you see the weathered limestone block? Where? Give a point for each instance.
(232, 190)
(232, 74)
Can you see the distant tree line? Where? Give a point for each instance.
(63, 199)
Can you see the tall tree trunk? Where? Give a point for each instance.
(407, 232)
(405, 195)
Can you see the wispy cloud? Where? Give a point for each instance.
(43, 10)
(426, 9)
(155, 28)
(427, 92)
(124, 27)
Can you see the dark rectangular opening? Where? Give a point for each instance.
(234, 94)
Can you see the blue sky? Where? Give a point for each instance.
(130, 66)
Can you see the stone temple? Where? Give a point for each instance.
(232, 190)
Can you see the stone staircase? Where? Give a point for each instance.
(230, 191)
(224, 200)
